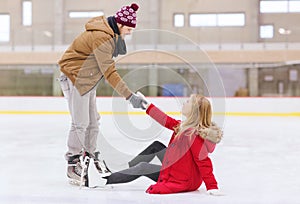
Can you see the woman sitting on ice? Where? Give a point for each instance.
(185, 162)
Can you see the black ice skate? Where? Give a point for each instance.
(78, 169)
(101, 166)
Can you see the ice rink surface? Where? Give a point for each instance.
(258, 161)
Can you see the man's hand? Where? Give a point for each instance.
(146, 103)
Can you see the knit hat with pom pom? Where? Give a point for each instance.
(127, 15)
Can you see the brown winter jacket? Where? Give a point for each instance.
(89, 58)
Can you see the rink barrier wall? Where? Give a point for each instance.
(232, 106)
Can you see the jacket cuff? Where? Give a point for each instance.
(149, 108)
(128, 97)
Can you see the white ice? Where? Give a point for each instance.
(257, 162)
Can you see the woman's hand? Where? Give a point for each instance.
(215, 192)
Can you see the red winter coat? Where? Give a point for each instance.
(186, 163)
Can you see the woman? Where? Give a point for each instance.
(185, 163)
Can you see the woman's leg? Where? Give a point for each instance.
(155, 149)
(142, 169)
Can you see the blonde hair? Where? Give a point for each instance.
(199, 117)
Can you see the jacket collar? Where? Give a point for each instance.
(119, 42)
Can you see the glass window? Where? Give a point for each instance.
(203, 20)
(230, 19)
(279, 6)
(178, 20)
(294, 6)
(266, 31)
(4, 27)
(273, 6)
(85, 14)
(27, 13)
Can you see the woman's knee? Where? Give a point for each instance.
(144, 168)
(142, 165)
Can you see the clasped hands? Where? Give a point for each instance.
(138, 100)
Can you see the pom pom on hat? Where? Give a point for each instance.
(127, 15)
(134, 6)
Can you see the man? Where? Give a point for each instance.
(84, 63)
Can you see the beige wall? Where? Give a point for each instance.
(52, 16)
(288, 21)
(249, 33)
(72, 27)
(42, 21)
(227, 57)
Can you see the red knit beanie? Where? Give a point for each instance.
(127, 15)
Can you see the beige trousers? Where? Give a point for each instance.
(85, 122)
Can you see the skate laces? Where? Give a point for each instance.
(101, 165)
(78, 169)
(84, 161)
(76, 166)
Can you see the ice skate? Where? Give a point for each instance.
(77, 170)
(101, 166)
